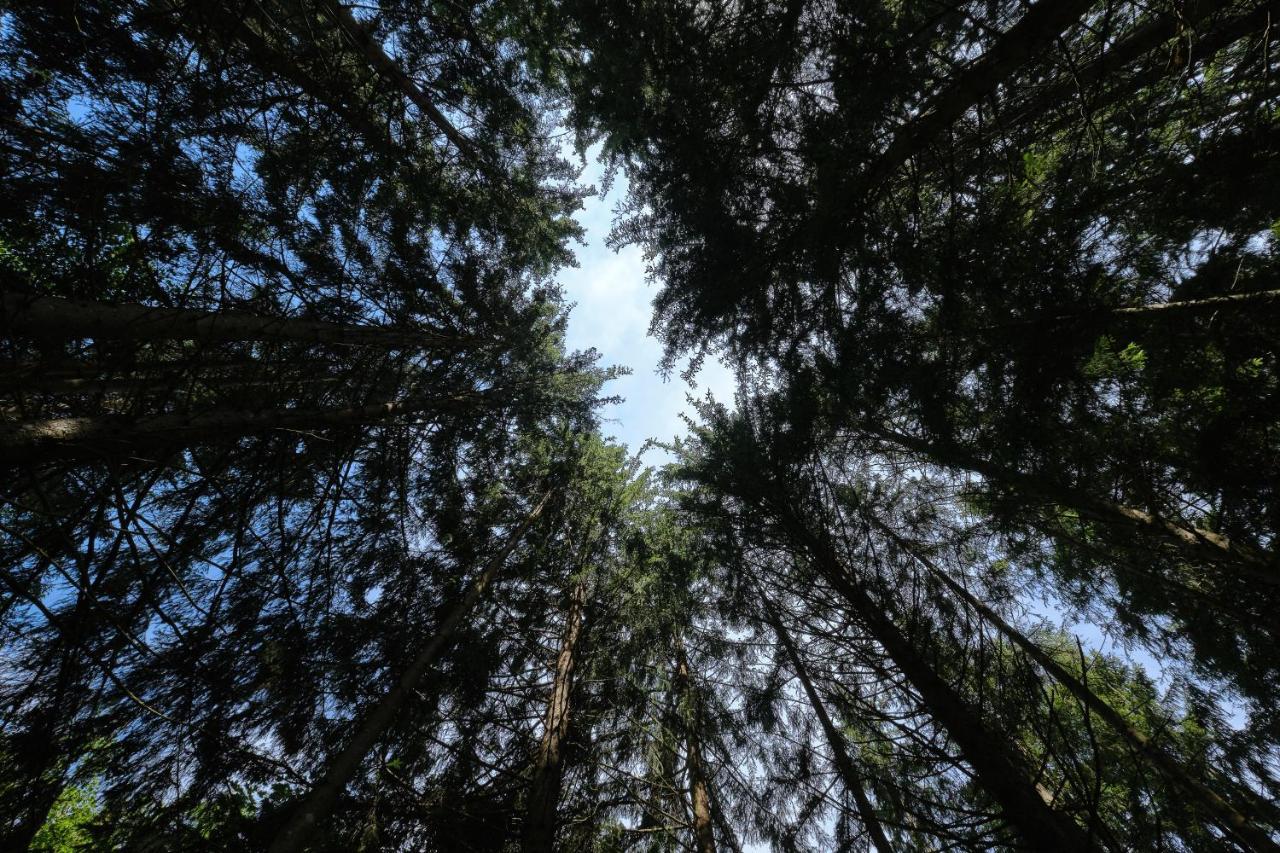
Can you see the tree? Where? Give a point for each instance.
(311, 539)
(961, 249)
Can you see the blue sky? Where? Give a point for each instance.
(614, 305)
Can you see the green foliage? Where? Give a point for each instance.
(68, 828)
(1108, 362)
(997, 285)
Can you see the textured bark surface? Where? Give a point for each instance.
(548, 770)
(699, 787)
(1229, 818)
(114, 435)
(53, 316)
(987, 751)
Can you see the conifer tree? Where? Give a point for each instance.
(311, 538)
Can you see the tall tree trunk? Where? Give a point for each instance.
(1196, 542)
(1207, 43)
(1035, 31)
(370, 728)
(699, 788)
(1159, 29)
(28, 375)
(548, 770)
(173, 382)
(55, 317)
(387, 67)
(251, 31)
(988, 751)
(1229, 818)
(849, 774)
(1253, 299)
(660, 793)
(108, 435)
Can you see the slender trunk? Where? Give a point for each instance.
(548, 770)
(988, 751)
(1254, 299)
(1142, 40)
(699, 790)
(23, 375)
(1206, 45)
(849, 774)
(1195, 541)
(657, 808)
(105, 435)
(1031, 36)
(279, 62)
(386, 66)
(370, 728)
(1229, 818)
(55, 317)
(127, 384)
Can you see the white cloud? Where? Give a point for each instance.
(614, 305)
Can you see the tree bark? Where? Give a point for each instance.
(114, 435)
(370, 728)
(699, 789)
(386, 66)
(1256, 299)
(70, 385)
(1034, 32)
(1252, 299)
(548, 769)
(986, 750)
(1206, 45)
(55, 317)
(839, 748)
(1229, 818)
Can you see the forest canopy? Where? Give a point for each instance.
(313, 536)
